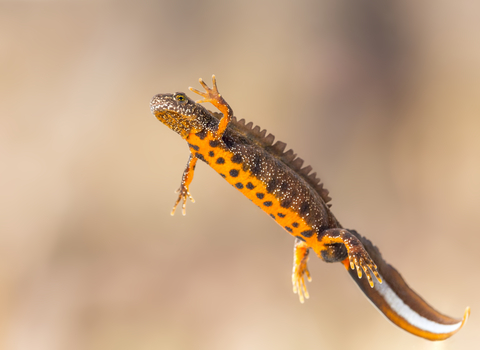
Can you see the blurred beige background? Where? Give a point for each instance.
(380, 97)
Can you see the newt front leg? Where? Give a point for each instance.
(183, 191)
(214, 97)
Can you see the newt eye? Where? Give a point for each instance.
(180, 97)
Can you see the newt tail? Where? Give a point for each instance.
(295, 198)
(401, 305)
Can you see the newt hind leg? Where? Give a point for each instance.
(216, 99)
(357, 255)
(300, 259)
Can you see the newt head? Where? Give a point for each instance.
(181, 114)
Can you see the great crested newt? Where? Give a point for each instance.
(290, 194)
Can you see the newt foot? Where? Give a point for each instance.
(360, 260)
(298, 280)
(182, 197)
(210, 95)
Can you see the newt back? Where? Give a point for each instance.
(277, 150)
(267, 175)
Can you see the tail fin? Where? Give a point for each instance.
(402, 305)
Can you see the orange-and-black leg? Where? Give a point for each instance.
(183, 191)
(357, 255)
(300, 259)
(214, 97)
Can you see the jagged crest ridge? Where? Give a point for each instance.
(277, 149)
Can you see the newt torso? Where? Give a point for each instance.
(269, 177)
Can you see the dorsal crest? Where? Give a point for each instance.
(277, 149)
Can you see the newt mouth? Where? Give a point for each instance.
(157, 103)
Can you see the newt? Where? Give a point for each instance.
(294, 197)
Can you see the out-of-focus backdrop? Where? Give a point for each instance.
(380, 97)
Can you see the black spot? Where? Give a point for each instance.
(214, 143)
(281, 215)
(272, 184)
(284, 186)
(195, 147)
(237, 158)
(267, 204)
(286, 203)
(260, 195)
(233, 173)
(223, 175)
(220, 160)
(295, 224)
(256, 168)
(202, 134)
(273, 216)
(250, 186)
(239, 185)
(289, 229)
(211, 154)
(308, 233)
(300, 238)
(200, 156)
(304, 208)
